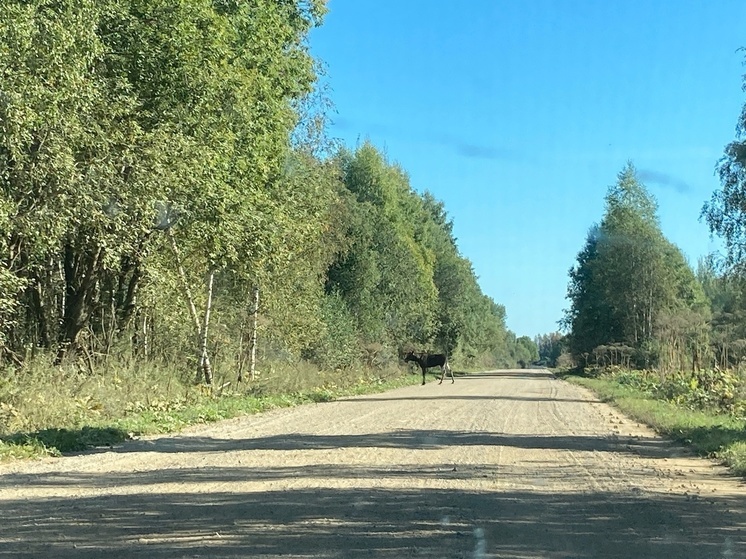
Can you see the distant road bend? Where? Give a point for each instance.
(501, 464)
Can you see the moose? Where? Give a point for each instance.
(427, 360)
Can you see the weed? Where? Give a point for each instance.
(52, 410)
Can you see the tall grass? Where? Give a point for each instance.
(47, 410)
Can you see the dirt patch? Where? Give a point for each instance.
(500, 464)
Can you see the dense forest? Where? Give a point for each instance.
(168, 193)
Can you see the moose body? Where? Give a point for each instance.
(426, 360)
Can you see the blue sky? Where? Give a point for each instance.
(518, 115)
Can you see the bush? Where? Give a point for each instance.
(715, 390)
(338, 347)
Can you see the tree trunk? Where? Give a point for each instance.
(254, 328)
(126, 292)
(183, 283)
(79, 291)
(253, 317)
(145, 343)
(203, 359)
(205, 369)
(37, 301)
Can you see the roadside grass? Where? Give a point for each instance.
(48, 411)
(719, 436)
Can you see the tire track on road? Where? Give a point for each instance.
(534, 460)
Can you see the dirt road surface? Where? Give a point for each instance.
(513, 464)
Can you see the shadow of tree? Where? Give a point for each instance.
(652, 447)
(711, 438)
(70, 440)
(329, 522)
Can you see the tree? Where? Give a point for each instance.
(64, 154)
(725, 290)
(725, 213)
(526, 351)
(163, 161)
(120, 117)
(589, 319)
(550, 347)
(470, 325)
(385, 275)
(627, 275)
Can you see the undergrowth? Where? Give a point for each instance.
(47, 410)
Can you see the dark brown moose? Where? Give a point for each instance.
(427, 360)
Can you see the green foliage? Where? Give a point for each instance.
(121, 119)
(733, 453)
(633, 287)
(550, 347)
(386, 275)
(400, 272)
(711, 390)
(708, 389)
(55, 441)
(725, 289)
(643, 380)
(470, 326)
(340, 346)
(589, 318)
(526, 351)
(723, 278)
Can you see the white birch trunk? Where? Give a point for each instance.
(145, 340)
(187, 293)
(204, 360)
(254, 327)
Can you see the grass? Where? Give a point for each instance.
(710, 434)
(55, 441)
(47, 411)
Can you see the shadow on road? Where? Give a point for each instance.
(386, 398)
(528, 374)
(410, 439)
(344, 511)
(531, 374)
(329, 523)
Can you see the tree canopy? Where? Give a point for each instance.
(628, 277)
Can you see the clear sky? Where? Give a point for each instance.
(519, 114)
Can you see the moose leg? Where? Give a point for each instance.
(443, 369)
(424, 370)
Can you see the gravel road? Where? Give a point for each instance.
(513, 464)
